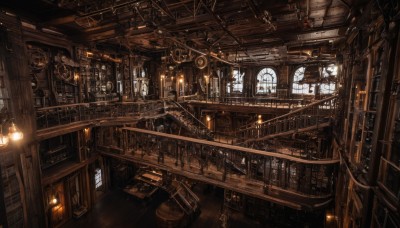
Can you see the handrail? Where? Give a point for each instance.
(311, 105)
(306, 118)
(233, 147)
(257, 126)
(189, 113)
(65, 114)
(212, 161)
(273, 102)
(199, 126)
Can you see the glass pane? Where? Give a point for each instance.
(266, 81)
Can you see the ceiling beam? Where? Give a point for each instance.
(201, 52)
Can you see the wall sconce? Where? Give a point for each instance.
(14, 134)
(76, 77)
(208, 118)
(206, 77)
(54, 200)
(181, 80)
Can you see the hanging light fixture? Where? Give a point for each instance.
(14, 133)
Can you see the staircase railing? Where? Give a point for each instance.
(201, 127)
(315, 115)
(186, 199)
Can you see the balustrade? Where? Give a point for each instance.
(220, 161)
(67, 114)
(271, 102)
(312, 116)
(188, 120)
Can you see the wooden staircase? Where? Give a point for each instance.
(188, 120)
(184, 197)
(314, 116)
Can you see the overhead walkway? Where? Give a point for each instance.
(279, 178)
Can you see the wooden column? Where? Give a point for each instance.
(22, 110)
(3, 215)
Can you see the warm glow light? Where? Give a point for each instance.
(208, 118)
(181, 80)
(76, 76)
(162, 76)
(14, 133)
(54, 201)
(329, 217)
(89, 54)
(3, 140)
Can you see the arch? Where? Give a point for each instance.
(297, 86)
(326, 83)
(329, 76)
(266, 81)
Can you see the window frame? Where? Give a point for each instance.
(233, 84)
(303, 89)
(273, 82)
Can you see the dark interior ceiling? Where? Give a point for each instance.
(236, 31)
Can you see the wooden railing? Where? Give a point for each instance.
(266, 172)
(271, 102)
(193, 124)
(313, 116)
(66, 114)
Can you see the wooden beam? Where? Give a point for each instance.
(232, 147)
(3, 214)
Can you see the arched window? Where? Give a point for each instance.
(298, 87)
(266, 81)
(327, 81)
(237, 85)
(329, 75)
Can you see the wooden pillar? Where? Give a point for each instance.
(18, 84)
(3, 215)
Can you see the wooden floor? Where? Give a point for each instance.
(118, 209)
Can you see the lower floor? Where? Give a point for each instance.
(119, 209)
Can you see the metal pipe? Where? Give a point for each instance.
(109, 8)
(202, 53)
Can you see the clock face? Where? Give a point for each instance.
(109, 86)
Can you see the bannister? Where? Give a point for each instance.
(271, 102)
(66, 114)
(315, 115)
(190, 121)
(305, 180)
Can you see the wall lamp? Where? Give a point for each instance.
(14, 134)
(54, 200)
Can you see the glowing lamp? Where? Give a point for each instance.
(14, 133)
